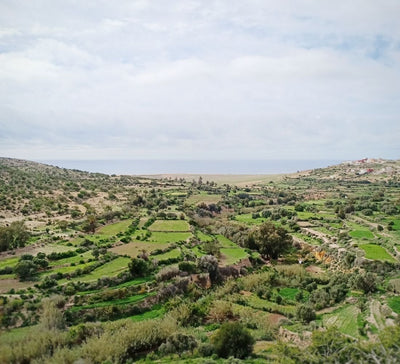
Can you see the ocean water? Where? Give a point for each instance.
(148, 167)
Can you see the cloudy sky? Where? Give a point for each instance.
(204, 79)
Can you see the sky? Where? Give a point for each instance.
(226, 79)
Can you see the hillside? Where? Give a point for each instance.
(97, 268)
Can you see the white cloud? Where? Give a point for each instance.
(171, 79)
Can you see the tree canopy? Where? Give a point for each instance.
(271, 241)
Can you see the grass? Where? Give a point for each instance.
(376, 252)
(207, 199)
(170, 226)
(9, 336)
(233, 255)
(122, 301)
(75, 259)
(134, 248)
(109, 269)
(307, 239)
(258, 303)
(163, 237)
(154, 313)
(114, 229)
(289, 293)
(345, 319)
(67, 269)
(394, 304)
(134, 282)
(174, 253)
(203, 237)
(359, 234)
(9, 262)
(248, 219)
(225, 242)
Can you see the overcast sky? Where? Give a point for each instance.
(204, 79)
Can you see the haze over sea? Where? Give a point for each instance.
(148, 167)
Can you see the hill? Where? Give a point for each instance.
(99, 268)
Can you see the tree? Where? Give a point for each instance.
(365, 282)
(13, 236)
(138, 267)
(305, 313)
(178, 343)
(52, 317)
(232, 339)
(269, 240)
(25, 269)
(91, 223)
(208, 263)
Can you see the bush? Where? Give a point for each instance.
(138, 267)
(232, 339)
(187, 267)
(178, 343)
(305, 313)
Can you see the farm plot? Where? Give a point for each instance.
(248, 219)
(207, 199)
(232, 255)
(113, 229)
(345, 319)
(164, 237)
(122, 301)
(109, 269)
(376, 252)
(134, 248)
(170, 226)
(203, 237)
(394, 304)
(359, 234)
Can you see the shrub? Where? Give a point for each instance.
(232, 339)
(178, 343)
(305, 313)
(138, 267)
(167, 273)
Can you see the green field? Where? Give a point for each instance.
(225, 242)
(154, 313)
(9, 262)
(345, 319)
(248, 219)
(114, 229)
(134, 248)
(394, 304)
(207, 199)
(359, 234)
(203, 237)
(233, 255)
(122, 301)
(162, 237)
(109, 269)
(174, 253)
(373, 251)
(170, 226)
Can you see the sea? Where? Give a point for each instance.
(154, 167)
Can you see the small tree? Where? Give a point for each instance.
(209, 263)
(178, 343)
(305, 313)
(232, 339)
(25, 269)
(365, 282)
(269, 240)
(138, 267)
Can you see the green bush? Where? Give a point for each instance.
(232, 339)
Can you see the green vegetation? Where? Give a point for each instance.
(119, 269)
(373, 251)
